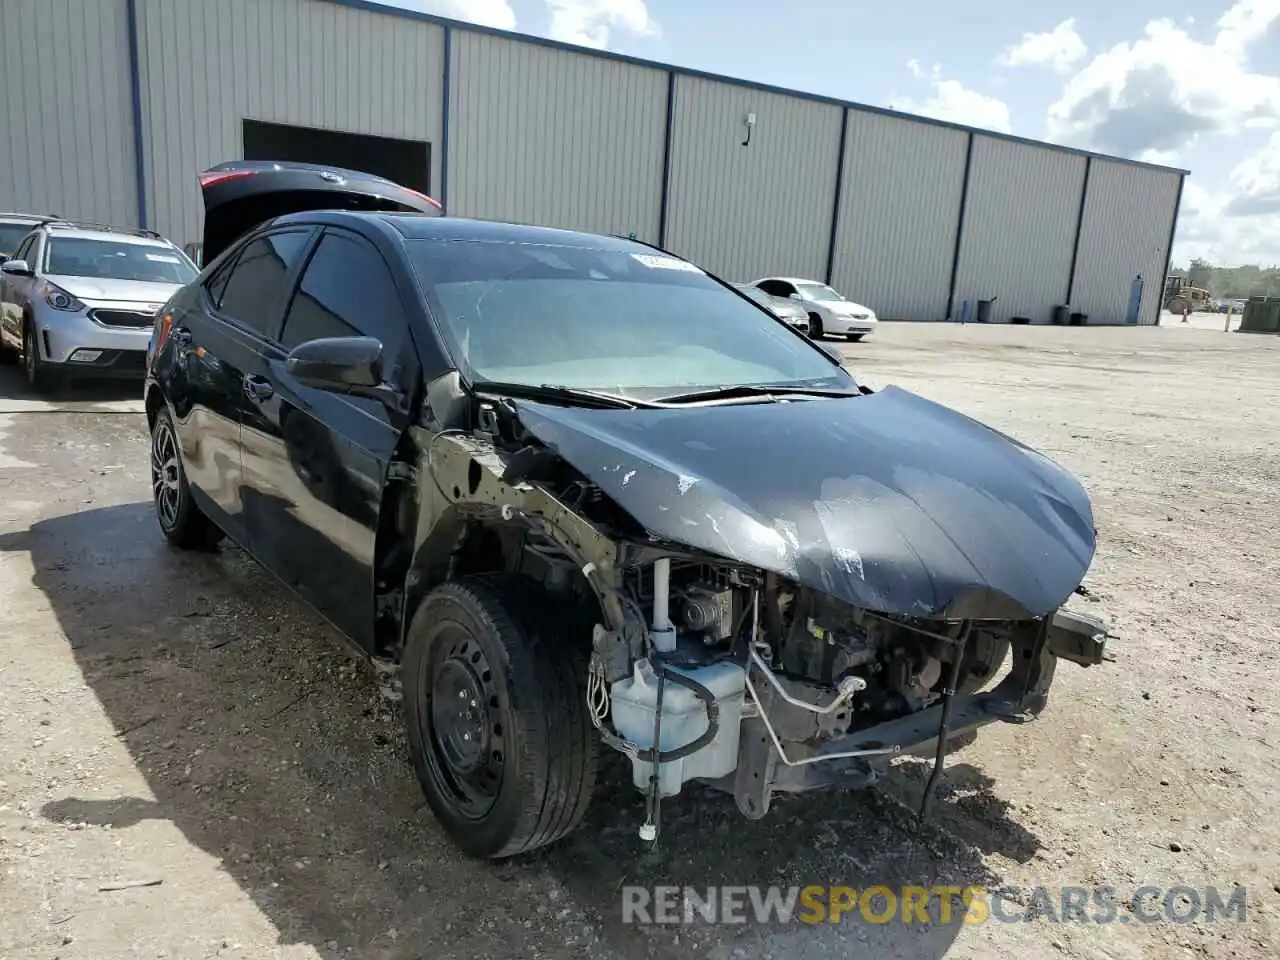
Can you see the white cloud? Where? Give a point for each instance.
(1164, 90)
(1208, 231)
(1256, 180)
(951, 100)
(487, 13)
(589, 22)
(1059, 48)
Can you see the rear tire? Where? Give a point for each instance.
(496, 714)
(815, 326)
(183, 524)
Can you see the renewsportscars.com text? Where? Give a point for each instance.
(815, 904)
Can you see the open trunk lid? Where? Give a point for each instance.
(240, 194)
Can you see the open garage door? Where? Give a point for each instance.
(407, 162)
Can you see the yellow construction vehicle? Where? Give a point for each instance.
(1181, 297)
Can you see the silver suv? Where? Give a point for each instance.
(80, 299)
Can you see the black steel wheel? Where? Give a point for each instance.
(815, 326)
(495, 708)
(180, 519)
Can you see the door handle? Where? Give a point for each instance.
(258, 388)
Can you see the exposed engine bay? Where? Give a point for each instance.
(738, 675)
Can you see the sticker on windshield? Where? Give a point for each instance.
(161, 258)
(665, 263)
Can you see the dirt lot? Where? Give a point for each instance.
(184, 721)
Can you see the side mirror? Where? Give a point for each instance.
(350, 365)
(17, 268)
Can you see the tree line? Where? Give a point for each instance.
(1232, 283)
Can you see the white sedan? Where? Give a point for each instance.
(829, 312)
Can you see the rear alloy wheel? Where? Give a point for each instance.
(495, 706)
(39, 377)
(815, 326)
(183, 524)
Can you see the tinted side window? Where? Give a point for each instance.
(346, 291)
(255, 282)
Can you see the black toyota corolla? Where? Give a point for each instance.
(572, 490)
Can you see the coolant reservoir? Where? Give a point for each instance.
(684, 719)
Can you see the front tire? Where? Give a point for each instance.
(183, 524)
(39, 376)
(496, 715)
(815, 326)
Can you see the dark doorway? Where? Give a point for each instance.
(407, 162)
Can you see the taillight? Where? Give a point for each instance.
(218, 176)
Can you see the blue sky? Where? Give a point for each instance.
(1191, 83)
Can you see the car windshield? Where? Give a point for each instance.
(817, 291)
(623, 321)
(115, 260)
(11, 235)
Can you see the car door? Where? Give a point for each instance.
(217, 335)
(315, 462)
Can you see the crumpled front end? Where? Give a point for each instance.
(785, 596)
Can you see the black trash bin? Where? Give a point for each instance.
(1061, 314)
(984, 311)
(1079, 319)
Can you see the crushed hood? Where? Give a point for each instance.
(887, 501)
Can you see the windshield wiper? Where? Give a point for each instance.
(550, 391)
(747, 391)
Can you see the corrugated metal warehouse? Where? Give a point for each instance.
(913, 217)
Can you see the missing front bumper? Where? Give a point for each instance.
(1019, 698)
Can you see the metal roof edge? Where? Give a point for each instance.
(373, 6)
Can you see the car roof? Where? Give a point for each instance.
(31, 218)
(422, 226)
(95, 232)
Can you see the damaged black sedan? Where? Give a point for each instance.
(569, 491)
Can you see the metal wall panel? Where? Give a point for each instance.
(554, 138)
(899, 212)
(66, 111)
(207, 65)
(1128, 212)
(1019, 228)
(759, 210)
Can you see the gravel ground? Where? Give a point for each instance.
(183, 722)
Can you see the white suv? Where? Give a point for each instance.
(80, 299)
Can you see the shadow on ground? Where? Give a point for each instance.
(13, 386)
(273, 752)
